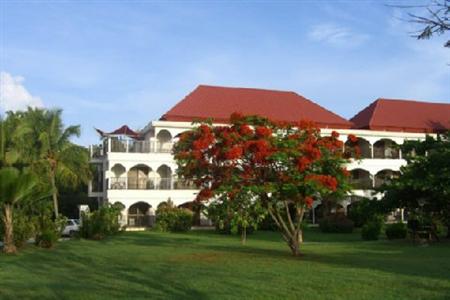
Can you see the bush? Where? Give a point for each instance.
(100, 223)
(336, 223)
(24, 229)
(47, 238)
(371, 231)
(174, 219)
(396, 231)
(363, 211)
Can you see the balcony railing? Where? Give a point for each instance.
(149, 183)
(98, 151)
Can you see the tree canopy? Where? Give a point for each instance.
(284, 167)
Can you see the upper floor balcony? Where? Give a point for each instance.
(129, 146)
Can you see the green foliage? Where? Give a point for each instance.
(396, 231)
(371, 230)
(336, 223)
(101, 223)
(364, 211)
(173, 219)
(424, 185)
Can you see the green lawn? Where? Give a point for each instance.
(204, 265)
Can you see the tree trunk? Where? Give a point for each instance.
(54, 195)
(244, 235)
(8, 239)
(294, 244)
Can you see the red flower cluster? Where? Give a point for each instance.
(245, 130)
(309, 201)
(352, 138)
(205, 194)
(334, 134)
(327, 181)
(234, 153)
(260, 149)
(262, 131)
(303, 163)
(205, 140)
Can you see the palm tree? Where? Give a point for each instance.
(51, 152)
(15, 186)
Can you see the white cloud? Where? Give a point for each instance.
(336, 35)
(13, 94)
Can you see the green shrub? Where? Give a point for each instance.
(100, 223)
(363, 211)
(173, 219)
(371, 230)
(396, 231)
(24, 228)
(47, 238)
(336, 223)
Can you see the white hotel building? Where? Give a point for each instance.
(137, 169)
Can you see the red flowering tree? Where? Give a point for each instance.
(282, 166)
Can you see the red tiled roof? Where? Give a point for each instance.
(404, 115)
(219, 103)
(124, 130)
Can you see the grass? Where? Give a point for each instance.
(204, 265)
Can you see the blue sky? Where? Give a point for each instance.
(108, 63)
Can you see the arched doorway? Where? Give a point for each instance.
(165, 177)
(164, 139)
(386, 148)
(118, 182)
(361, 179)
(138, 178)
(362, 145)
(385, 176)
(139, 215)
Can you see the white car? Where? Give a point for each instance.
(72, 227)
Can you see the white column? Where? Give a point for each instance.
(109, 144)
(400, 153)
(126, 145)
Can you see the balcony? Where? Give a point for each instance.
(150, 183)
(130, 146)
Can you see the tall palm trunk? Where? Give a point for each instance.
(8, 240)
(54, 194)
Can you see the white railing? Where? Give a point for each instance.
(149, 183)
(117, 146)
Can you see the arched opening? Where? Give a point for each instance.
(361, 179)
(362, 146)
(196, 209)
(164, 139)
(139, 215)
(386, 148)
(385, 176)
(165, 177)
(118, 182)
(138, 178)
